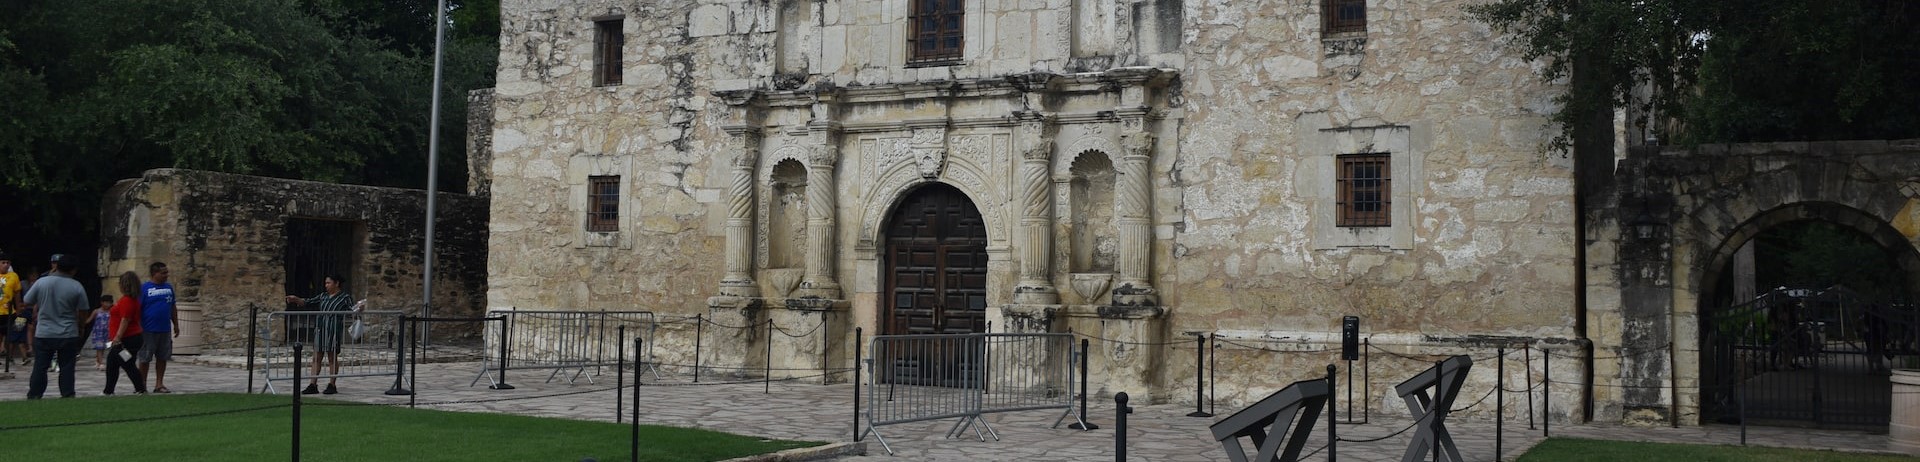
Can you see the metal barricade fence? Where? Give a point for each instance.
(581, 342)
(916, 378)
(329, 334)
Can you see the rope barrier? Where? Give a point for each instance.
(1124, 342)
(1622, 356)
(1390, 435)
(471, 401)
(740, 382)
(816, 328)
(749, 326)
(730, 368)
(143, 419)
(1262, 348)
(1483, 398)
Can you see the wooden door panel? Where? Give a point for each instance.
(936, 275)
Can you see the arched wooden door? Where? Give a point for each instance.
(936, 265)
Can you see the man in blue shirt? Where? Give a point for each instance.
(60, 302)
(159, 324)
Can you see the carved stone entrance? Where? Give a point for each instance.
(935, 266)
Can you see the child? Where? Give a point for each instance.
(100, 332)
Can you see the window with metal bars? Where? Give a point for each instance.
(608, 41)
(1338, 16)
(937, 35)
(603, 203)
(1365, 185)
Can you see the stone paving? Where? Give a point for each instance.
(806, 410)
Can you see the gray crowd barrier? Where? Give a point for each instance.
(579, 343)
(371, 354)
(918, 378)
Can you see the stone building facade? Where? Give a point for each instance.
(1130, 170)
(228, 240)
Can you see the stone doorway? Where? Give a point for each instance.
(934, 268)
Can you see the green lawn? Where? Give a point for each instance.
(336, 433)
(1574, 450)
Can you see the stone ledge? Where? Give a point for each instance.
(829, 451)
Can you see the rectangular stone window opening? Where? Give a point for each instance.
(608, 41)
(1343, 16)
(603, 203)
(937, 32)
(1364, 187)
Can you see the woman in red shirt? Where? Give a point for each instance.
(123, 334)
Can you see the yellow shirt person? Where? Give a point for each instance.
(9, 287)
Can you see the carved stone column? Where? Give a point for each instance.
(1036, 222)
(738, 281)
(1133, 197)
(821, 158)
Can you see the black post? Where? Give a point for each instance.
(1499, 399)
(296, 401)
(620, 379)
(638, 343)
(1120, 411)
(1333, 434)
(506, 339)
(1213, 367)
(1743, 414)
(253, 332)
(1366, 379)
(1546, 393)
(413, 373)
(1199, 385)
(1439, 390)
(1673, 387)
(400, 363)
(857, 350)
(699, 324)
(1528, 356)
(1083, 424)
(766, 381)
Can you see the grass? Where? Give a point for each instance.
(337, 433)
(1575, 450)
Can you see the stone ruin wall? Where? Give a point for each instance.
(1240, 241)
(222, 236)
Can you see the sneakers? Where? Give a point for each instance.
(312, 389)
(330, 390)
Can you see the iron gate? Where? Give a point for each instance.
(1806, 356)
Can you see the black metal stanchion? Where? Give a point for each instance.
(638, 343)
(296, 400)
(619, 369)
(1499, 399)
(766, 381)
(1743, 414)
(1213, 368)
(400, 363)
(1673, 387)
(1120, 411)
(506, 339)
(699, 324)
(1438, 408)
(413, 373)
(1546, 393)
(1527, 353)
(1333, 434)
(253, 332)
(1083, 424)
(1199, 362)
(857, 333)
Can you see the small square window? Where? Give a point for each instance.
(937, 32)
(608, 41)
(1365, 187)
(603, 203)
(1341, 16)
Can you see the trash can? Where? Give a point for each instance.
(192, 321)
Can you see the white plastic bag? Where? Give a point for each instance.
(358, 331)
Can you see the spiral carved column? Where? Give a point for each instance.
(1133, 201)
(1036, 221)
(820, 224)
(738, 281)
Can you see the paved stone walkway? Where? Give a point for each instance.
(806, 410)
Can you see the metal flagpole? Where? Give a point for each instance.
(433, 161)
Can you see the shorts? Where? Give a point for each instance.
(324, 339)
(156, 346)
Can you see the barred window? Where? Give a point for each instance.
(1365, 186)
(937, 34)
(603, 203)
(608, 41)
(1339, 16)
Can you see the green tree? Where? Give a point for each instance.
(1728, 70)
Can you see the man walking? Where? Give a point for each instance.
(159, 324)
(9, 295)
(59, 302)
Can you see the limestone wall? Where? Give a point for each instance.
(222, 236)
(1252, 106)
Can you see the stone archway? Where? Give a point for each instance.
(934, 264)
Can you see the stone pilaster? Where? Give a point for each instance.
(1036, 221)
(738, 281)
(1133, 199)
(821, 159)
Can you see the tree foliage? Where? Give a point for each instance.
(96, 91)
(1728, 70)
